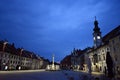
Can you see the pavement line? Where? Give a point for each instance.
(18, 71)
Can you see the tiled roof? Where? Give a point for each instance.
(111, 34)
(66, 60)
(28, 54)
(10, 48)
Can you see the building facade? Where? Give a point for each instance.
(98, 58)
(110, 43)
(17, 59)
(75, 58)
(114, 44)
(66, 62)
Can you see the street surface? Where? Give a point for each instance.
(33, 75)
(44, 75)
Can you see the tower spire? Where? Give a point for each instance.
(95, 18)
(96, 23)
(96, 28)
(96, 34)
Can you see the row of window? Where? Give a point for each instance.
(97, 58)
(11, 56)
(14, 57)
(16, 62)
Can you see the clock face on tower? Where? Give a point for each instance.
(98, 37)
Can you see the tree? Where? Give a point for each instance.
(109, 63)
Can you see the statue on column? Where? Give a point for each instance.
(53, 66)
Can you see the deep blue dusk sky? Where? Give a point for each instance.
(55, 26)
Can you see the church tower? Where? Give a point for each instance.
(96, 34)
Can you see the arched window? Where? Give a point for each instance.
(95, 58)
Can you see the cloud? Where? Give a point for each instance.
(55, 26)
